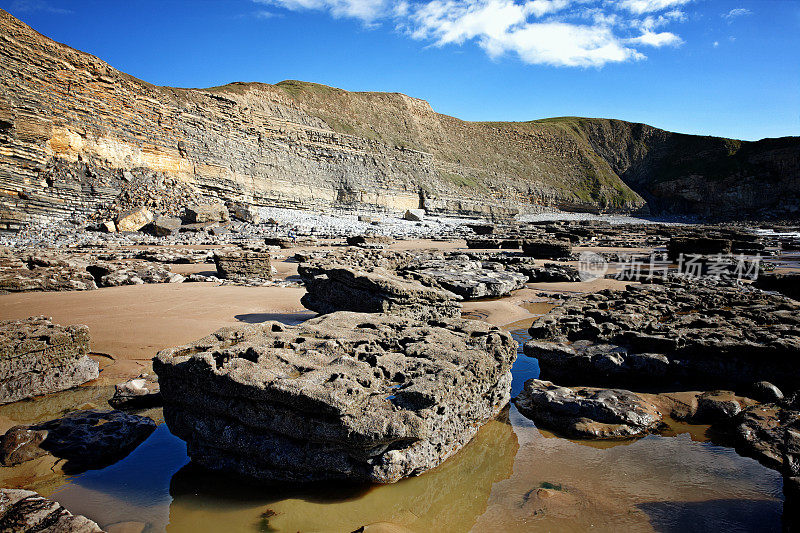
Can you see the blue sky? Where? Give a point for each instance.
(711, 67)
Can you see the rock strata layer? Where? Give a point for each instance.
(353, 396)
(24, 511)
(39, 357)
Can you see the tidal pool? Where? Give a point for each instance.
(510, 477)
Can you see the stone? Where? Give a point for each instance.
(541, 249)
(134, 219)
(245, 212)
(482, 229)
(199, 214)
(241, 264)
(39, 357)
(20, 444)
(346, 396)
(332, 287)
(678, 246)
(414, 215)
(139, 393)
(787, 283)
(108, 226)
(369, 240)
(702, 332)
(86, 440)
(766, 392)
(588, 413)
(24, 511)
(469, 279)
(163, 226)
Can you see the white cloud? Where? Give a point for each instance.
(639, 7)
(735, 13)
(565, 33)
(365, 10)
(663, 38)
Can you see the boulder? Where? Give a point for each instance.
(134, 219)
(787, 283)
(481, 229)
(332, 287)
(678, 246)
(346, 396)
(369, 240)
(163, 226)
(39, 357)
(84, 439)
(766, 392)
(108, 226)
(198, 214)
(588, 413)
(542, 249)
(245, 212)
(24, 511)
(243, 264)
(469, 279)
(414, 215)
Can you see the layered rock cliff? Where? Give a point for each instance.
(75, 132)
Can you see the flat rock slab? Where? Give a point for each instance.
(469, 279)
(364, 397)
(24, 511)
(588, 413)
(243, 264)
(333, 287)
(701, 332)
(86, 440)
(39, 357)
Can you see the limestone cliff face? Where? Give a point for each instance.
(74, 130)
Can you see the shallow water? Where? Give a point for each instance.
(510, 477)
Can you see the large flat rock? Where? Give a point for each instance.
(39, 357)
(334, 287)
(355, 396)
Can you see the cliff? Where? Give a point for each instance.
(74, 132)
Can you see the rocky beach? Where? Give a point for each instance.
(282, 308)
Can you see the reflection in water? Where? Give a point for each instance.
(447, 498)
(510, 477)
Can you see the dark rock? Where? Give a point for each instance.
(540, 249)
(85, 439)
(482, 229)
(697, 246)
(766, 392)
(24, 511)
(587, 412)
(784, 283)
(39, 357)
(334, 287)
(353, 396)
(702, 332)
(414, 215)
(368, 240)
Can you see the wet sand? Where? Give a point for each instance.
(129, 325)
